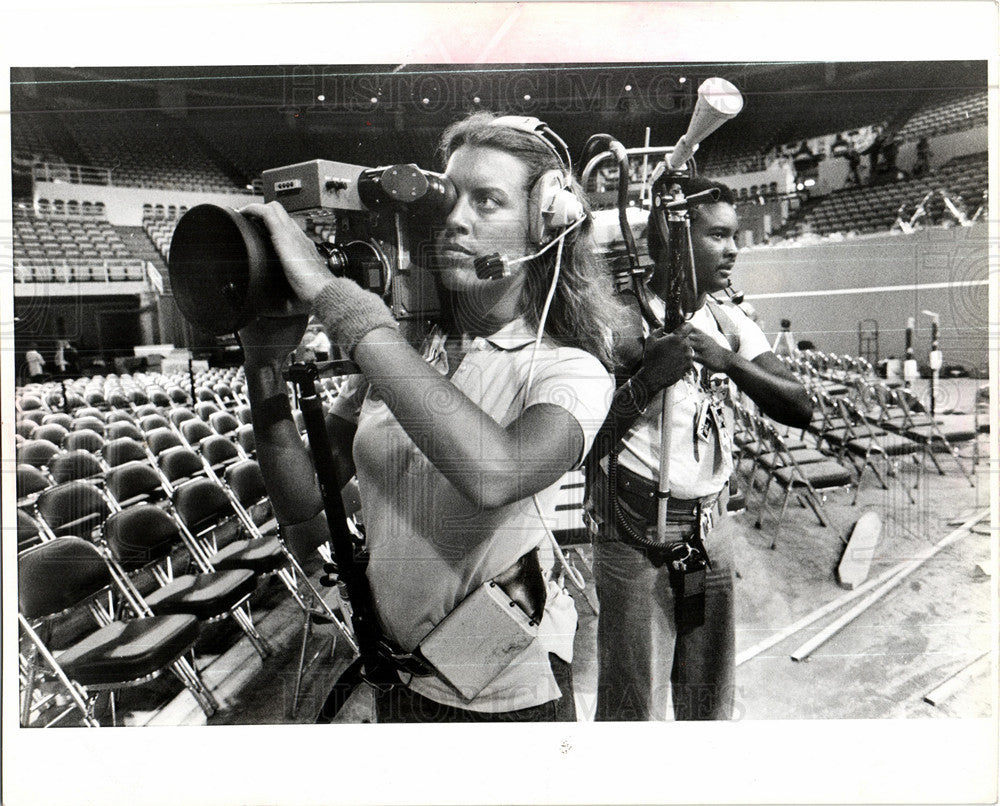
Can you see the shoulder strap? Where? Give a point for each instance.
(726, 325)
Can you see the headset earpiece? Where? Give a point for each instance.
(552, 206)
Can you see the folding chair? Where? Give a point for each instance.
(135, 482)
(26, 428)
(153, 422)
(219, 452)
(70, 575)
(119, 415)
(244, 485)
(29, 531)
(94, 424)
(178, 396)
(122, 428)
(204, 510)
(161, 439)
(930, 433)
(205, 409)
(75, 464)
(74, 508)
(30, 482)
(143, 538)
(223, 423)
(37, 416)
(146, 409)
(807, 481)
(37, 453)
(180, 415)
(85, 440)
(51, 432)
(865, 443)
(243, 414)
(58, 418)
(245, 439)
(124, 449)
(194, 431)
(180, 464)
(770, 460)
(89, 411)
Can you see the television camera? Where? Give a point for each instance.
(372, 225)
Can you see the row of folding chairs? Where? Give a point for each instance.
(798, 469)
(896, 416)
(137, 504)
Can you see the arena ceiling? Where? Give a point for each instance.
(784, 101)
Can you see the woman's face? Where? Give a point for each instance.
(490, 214)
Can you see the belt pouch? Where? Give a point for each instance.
(480, 638)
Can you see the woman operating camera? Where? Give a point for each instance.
(459, 446)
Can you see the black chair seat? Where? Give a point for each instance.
(890, 444)
(804, 456)
(927, 433)
(819, 475)
(205, 596)
(126, 651)
(262, 555)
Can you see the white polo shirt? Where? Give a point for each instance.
(430, 546)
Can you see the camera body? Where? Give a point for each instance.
(373, 225)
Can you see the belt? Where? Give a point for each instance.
(639, 493)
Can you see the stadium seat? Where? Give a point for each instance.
(123, 428)
(85, 440)
(74, 508)
(69, 574)
(123, 449)
(36, 452)
(30, 480)
(142, 538)
(180, 464)
(75, 464)
(151, 422)
(53, 432)
(161, 439)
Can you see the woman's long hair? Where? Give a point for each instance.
(584, 309)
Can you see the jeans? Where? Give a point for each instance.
(402, 705)
(644, 666)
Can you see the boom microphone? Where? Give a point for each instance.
(718, 101)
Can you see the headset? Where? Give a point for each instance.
(552, 204)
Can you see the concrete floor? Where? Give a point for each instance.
(934, 624)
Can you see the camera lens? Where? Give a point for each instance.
(224, 271)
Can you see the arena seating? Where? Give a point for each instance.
(150, 150)
(947, 115)
(75, 248)
(874, 209)
(97, 455)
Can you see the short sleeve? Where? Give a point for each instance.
(347, 404)
(753, 342)
(578, 382)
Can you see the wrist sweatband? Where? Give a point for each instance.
(270, 411)
(350, 312)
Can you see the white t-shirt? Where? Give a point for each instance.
(430, 546)
(35, 362)
(697, 468)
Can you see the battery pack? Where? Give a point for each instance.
(479, 639)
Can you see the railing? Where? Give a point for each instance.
(73, 174)
(72, 270)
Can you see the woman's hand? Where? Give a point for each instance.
(268, 340)
(305, 269)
